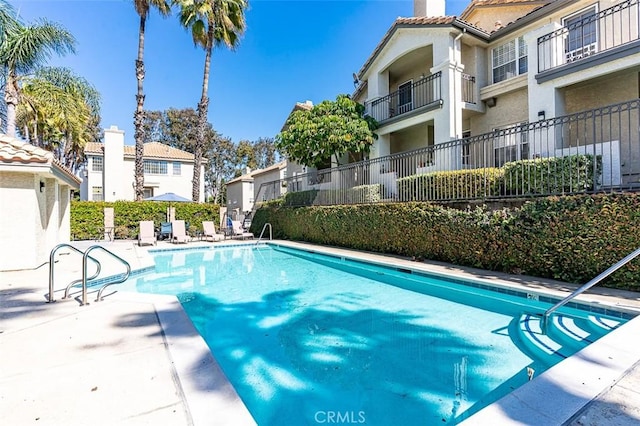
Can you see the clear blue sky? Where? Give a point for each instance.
(292, 51)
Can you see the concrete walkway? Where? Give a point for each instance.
(130, 359)
(136, 359)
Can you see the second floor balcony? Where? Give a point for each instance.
(409, 97)
(590, 33)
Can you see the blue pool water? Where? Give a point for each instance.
(306, 338)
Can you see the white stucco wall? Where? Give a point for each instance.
(32, 222)
(118, 175)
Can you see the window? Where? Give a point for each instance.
(96, 193)
(509, 60)
(581, 35)
(153, 167)
(511, 145)
(97, 164)
(147, 192)
(177, 168)
(405, 97)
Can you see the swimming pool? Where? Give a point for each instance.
(307, 338)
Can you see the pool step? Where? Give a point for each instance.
(565, 335)
(535, 342)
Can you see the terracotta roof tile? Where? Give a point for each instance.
(418, 21)
(151, 150)
(14, 150)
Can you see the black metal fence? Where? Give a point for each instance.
(589, 32)
(590, 151)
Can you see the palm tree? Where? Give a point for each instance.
(212, 23)
(59, 111)
(22, 49)
(143, 7)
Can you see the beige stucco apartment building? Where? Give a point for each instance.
(110, 176)
(433, 79)
(35, 196)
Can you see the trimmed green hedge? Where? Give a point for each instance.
(87, 217)
(570, 174)
(570, 238)
(458, 184)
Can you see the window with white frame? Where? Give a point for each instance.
(155, 167)
(96, 193)
(177, 168)
(512, 144)
(147, 192)
(582, 34)
(509, 60)
(97, 164)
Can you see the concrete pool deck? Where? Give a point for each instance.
(136, 359)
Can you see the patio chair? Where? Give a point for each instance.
(147, 234)
(239, 232)
(210, 232)
(178, 232)
(165, 231)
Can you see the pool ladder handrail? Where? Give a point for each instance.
(264, 229)
(52, 255)
(628, 258)
(84, 273)
(85, 258)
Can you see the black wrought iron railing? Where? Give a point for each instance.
(590, 151)
(588, 34)
(425, 91)
(468, 89)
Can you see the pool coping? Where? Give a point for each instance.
(552, 398)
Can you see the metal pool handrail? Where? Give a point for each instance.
(587, 286)
(84, 272)
(52, 264)
(263, 229)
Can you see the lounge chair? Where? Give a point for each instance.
(178, 232)
(239, 232)
(147, 234)
(210, 233)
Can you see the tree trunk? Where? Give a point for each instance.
(203, 109)
(138, 116)
(11, 95)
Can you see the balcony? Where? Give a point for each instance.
(590, 34)
(424, 92)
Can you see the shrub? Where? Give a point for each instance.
(87, 217)
(555, 175)
(569, 238)
(458, 184)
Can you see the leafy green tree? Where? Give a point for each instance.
(331, 128)
(143, 7)
(59, 111)
(23, 48)
(265, 152)
(220, 169)
(177, 128)
(212, 23)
